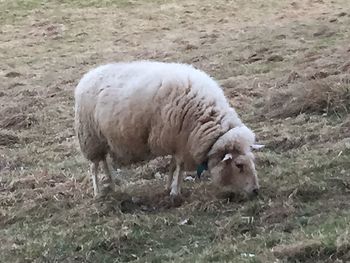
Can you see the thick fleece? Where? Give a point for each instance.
(136, 111)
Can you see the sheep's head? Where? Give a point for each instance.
(231, 161)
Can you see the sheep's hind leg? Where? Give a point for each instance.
(107, 170)
(94, 173)
(109, 174)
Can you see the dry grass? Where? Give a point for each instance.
(314, 96)
(7, 139)
(289, 62)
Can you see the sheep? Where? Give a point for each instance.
(136, 111)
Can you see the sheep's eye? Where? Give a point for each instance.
(240, 167)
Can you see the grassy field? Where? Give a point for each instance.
(283, 64)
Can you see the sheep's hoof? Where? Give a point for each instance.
(167, 191)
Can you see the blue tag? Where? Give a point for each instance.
(201, 168)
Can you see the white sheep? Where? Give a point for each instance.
(140, 110)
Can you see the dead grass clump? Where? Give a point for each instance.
(314, 96)
(19, 121)
(7, 139)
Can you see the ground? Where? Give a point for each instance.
(284, 65)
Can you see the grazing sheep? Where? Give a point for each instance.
(139, 110)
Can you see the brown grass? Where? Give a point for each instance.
(47, 209)
(7, 139)
(299, 251)
(314, 96)
(20, 121)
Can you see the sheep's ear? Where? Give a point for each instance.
(257, 146)
(228, 156)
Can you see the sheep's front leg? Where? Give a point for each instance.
(171, 174)
(177, 179)
(94, 173)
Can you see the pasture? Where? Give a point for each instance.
(284, 65)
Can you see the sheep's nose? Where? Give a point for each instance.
(256, 191)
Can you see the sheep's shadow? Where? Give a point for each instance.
(154, 201)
